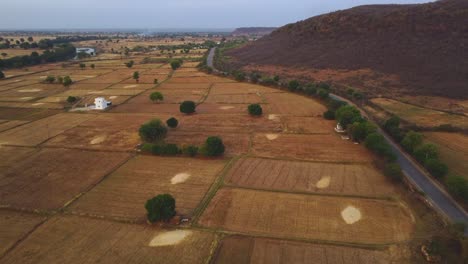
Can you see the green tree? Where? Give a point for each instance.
(92, 66)
(153, 131)
(160, 208)
(60, 79)
(392, 126)
(156, 96)
(190, 150)
(437, 168)
(213, 147)
(276, 78)
(293, 85)
(187, 107)
(310, 89)
(82, 66)
(376, 142)
(347, 115)
(129, 64)
(2, 75)
(329, 115)
(50, 79)
(136, 76)
(255, 109)
(239, 76)
(411, 141)
(71, 99)
(172, 122)
(324, 94)
(393, 171)
(176, 63)
(155, 81)
(426, 152)
(67, 81)
(457, 186)
(359, 130)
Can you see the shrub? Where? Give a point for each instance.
(60, 79)
(92, 66)
(334, 104)
(129, 64)
(82, 65)
(147, 147)
(213, 147)
(347, 115)
(324, 94)
(160, 208)
(136, 76)
(310, 89)
(190, 150)
(437, 168)
(239, 76)
(67, 81)
(254, 77)
(50, 79)
(71, 99)
(329, 115)
(426, 152)
(268, 81)
(171, 149)
(276, 78)
(187, 107)
(153, 131)
(175, 64)
(393, 171)
(156, 96)
(255, 109)
(155, 81)
(172, 122)
(2, 75)
(411, 141)
(358, 95)
(324, 86)
(457, 186)
(293, 85)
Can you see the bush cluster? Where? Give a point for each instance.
(187, 107)
(255, 109)
(153, 131)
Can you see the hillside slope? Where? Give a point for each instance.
(424, 47)
(248, 31)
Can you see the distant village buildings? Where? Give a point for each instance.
(87, 51)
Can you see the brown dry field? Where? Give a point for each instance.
(203, 79)
(236, 143)
(50, 178)
(329, 147)
(238, 249)
(36, 132)
(90, 86)
(108, 131)
(17, 52)
(64, 240)
(147, 108)
(311, 217)
(453, 150)
(170, 86)
(133, 85)
(234, 98)
(241, 88)
(209, 108)
(437, 102)
(292, 104)
(296, 176)
(147, 79)
(9, 124)
(14, 226)
(11, 155)
(142, 178)
(170, 96)
(307, 125)
(421, 116)
(191, 73)
(18, 105)
(34, 90)
(26, 114)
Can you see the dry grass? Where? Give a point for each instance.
(307, 217)
(292, 104)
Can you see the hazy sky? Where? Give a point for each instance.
(37, 14)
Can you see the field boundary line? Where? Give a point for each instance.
(218, 183)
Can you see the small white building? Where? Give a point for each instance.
(339, 128)
(100, 103)
(89, 51)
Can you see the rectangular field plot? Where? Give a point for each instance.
(144, 177)
(313, 217)
(8, 124)
(234, 98)
(14, 226)
(72, 239)
(328, 148)
(50, 178)
(352, 179)
(237, 249)
(307, 125)
(147, 108)
(292, 104)
(36, 132)
(171, 96)
(31, 105)
(203, 79)
(11, 155)
(26, 114)
(209, 108)
(137, 86)
(190, 86)
(34, 90)
(147, 79)
(241, 88)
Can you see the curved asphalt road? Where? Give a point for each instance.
(438, 197)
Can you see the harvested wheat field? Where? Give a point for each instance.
(453, 150)
(8, 124)
(142, 178)
(238, 249)
(36, 132)
(420, 116)
(147, 108)
(170, 96)
(64, 240)
(50, 178)
(241, 88)
(11, 155)
(297, 176)
(209, 108)
(307, 125)
(308, 217)
(292, 104)
(234, 123)
(14, 226)
(171, 86)
(328, 148)
(234, 98)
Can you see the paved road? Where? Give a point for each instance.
(209, 60)
(438, 197)
(434, 193)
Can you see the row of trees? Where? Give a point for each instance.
(427, 155)
(60, 53)
(66, 81)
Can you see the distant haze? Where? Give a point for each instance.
(154, 14)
